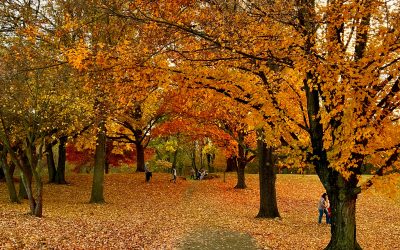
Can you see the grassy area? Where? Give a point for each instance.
(168, 216)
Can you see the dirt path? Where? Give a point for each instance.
(209, 235)
(213, 238)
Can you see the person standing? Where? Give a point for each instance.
(192, 173)
(147, 172)
(173, 175)
(323, 205)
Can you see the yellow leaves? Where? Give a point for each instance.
(78, 57)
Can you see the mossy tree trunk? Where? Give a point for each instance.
(12, 192)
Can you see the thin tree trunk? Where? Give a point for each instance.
(175, 159)
(139, 157)
(194, 158)
(99, 165)
(62, 157)
(201, 158)
(28, 189)
(36, 199)
(51, 166)
(9, 180)
(241, 161)
(107, 167)
(267, 177)
(27, 171)
(231, 164)
(38, 211)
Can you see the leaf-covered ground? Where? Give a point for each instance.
(187, 215)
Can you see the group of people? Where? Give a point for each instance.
(198, 175)
(324, 208)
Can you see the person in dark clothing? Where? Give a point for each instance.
(147, 172)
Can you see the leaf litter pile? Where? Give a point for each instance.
(164, 215)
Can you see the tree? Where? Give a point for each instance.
(344, 104)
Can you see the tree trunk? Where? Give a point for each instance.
(241, 184)
(51, 166)
(9, 180)
(38, 211)
(175, 159)
(341, 192)
(62, 157)
(241, 161)
(107, 167)
(194, 158)
(231, 164)
(2, 174)
(267, 177)
(99, 165)
(27, 184)
(343, 221)
(139, 157)
(201, 158)
(27, 171)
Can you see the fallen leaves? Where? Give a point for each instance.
(164, 215)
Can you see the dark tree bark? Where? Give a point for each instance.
(107, 167)
(194, 158)
(242, 162)
(99, 165)
(12, 192)
(35, 200)
(343, 218)
(241, 182)
(175, 160)
(27, 171)
(139, 156)
(267, 177)
(342, 193)
(231, 164)
(2, 174)
(51, 166)
(62, 157)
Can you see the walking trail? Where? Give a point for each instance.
(207, 234)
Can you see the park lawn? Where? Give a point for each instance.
(164, 215)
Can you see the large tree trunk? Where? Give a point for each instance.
(9, 180)
(267, 177)
(62, 157)
(51, 166)
(343, 220)
(139, 157)
(341, 192)
(99, 165)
